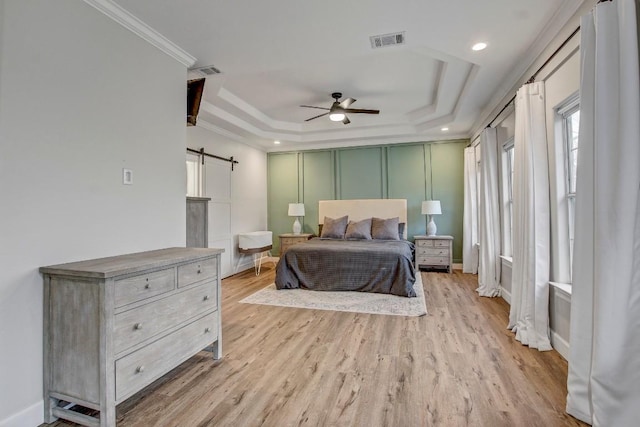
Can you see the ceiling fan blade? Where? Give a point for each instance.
(315, 117)
(345, 104)
(360, 110)
(319, 108)
(346, 120)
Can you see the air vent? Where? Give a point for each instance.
(208, 70)
(385, 40)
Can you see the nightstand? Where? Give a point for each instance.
(434, 252)
(289, 239)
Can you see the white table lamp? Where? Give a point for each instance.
(431, 208)
(297, 210)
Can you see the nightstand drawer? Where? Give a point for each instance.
(287, 240)
(423, 260)
(422, 251)
(441, 243)
(424, 243)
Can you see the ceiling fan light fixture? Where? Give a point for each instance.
(338, 110)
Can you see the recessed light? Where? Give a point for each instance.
(479, 46)
(444, 129)
(276, 142)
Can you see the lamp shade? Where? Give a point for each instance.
(431, 207)
(296, 209)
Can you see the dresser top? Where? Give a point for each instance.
(103, 268)
(434, 237)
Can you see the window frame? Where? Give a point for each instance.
(565, 112)
(193, 175)
(507, 196)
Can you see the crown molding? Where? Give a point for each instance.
(220, 131)
(203, 124)
(136, 26)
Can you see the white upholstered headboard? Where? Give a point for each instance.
(364, 208)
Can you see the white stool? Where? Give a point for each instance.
(259, 254)
(258, 244)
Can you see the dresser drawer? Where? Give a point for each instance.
(134, 326)
(424, 260)
(424, 243)
(433, 251)
(441, 243)
(140, 368)
(197, 271)
(143, 286)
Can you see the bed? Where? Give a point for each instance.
(382, 265)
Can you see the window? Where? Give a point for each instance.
(193, 176)
(507, 179)
(570, 126)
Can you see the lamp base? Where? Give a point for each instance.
(297, 228)
(431, 227)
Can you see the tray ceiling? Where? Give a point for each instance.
(277, 55)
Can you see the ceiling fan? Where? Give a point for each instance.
(338, 109)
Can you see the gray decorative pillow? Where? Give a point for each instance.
(385, 229)
(359, 230)
(401, 230)
(334, 228)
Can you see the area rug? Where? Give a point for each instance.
(357, 302)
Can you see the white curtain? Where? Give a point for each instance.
(604, 358)
(489, 266)
(470, 229)
(529, 315)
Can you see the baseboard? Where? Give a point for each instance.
(31, 416)
(456, 266)
(560, 345)
(506, 295)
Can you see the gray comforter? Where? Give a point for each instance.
(383, 266)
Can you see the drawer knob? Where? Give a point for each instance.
(206, 298)
(140, 369)
(147, 286)
(207, 330)
(137, 326)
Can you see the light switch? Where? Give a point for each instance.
(127, 176)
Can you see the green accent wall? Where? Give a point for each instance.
(318, 172)
(414, 171)
(407, 180)
(361, 172)
(282, 189)
(447, 172)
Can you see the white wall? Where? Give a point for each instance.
(248, 182)
(80, 98)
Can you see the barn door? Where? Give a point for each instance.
(217, 186)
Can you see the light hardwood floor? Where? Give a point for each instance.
(457, 366)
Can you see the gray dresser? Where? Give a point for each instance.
(434, 252)
(197, 222)
(114, 325)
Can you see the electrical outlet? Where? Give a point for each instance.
(127, 176)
